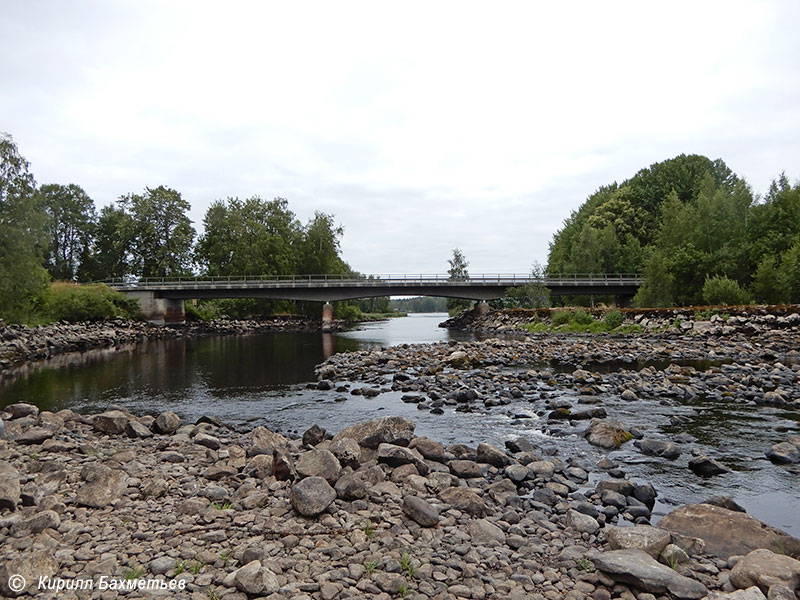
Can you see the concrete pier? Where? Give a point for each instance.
(159, 311)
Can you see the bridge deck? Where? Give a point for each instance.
(336, 287)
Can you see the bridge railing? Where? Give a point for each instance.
(509, 279)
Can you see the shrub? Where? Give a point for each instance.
(95, 302)
(348, 313)
(722, 290)
(202, 311)
(560, 317)
(613, 319)
(581, 317)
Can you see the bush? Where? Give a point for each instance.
(613, 319)
(722, 290)
(581, 317)
(95, 302)
(348, 313)
(560, 317)
(202, 311)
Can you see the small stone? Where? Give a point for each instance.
(482, 531)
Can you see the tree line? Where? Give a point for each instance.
(54, 232)
(694, 229)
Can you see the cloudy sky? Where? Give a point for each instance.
(423, 126)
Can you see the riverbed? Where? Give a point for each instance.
(267, 379)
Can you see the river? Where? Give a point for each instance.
(265, 379)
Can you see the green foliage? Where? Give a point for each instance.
(369, 530)
(532, 295)
(457, 272)
(370, 567)
(71, 224)
(348, 313)
(407, 564)
(95, 302)
(722, 290)
(134, 572)
(768, 282)
(581, 317)
(420, 304)
(560, 317)
(789, 273)
(202, 311)
(613, 319)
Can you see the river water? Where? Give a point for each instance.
(264, 380)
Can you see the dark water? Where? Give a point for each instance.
(261, 379)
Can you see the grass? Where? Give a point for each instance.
(402, 591)
(225, 556)
(580, 321)
(369, 530)
(584, 564)
(407, 564)
(134, 572)
(370, 567)
(222, 505)
(180, 568)
(196, 567)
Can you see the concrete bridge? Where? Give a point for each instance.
(161, 298)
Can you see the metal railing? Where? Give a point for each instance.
(436, 279)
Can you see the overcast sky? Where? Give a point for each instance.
(422, 126)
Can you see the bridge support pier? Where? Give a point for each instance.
(327, 316)
(159, 311)
(480, 308)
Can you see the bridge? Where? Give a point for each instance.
(161, 298)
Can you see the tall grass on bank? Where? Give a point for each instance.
(73, 302)
(580, 321)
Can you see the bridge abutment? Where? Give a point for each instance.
(159, 311)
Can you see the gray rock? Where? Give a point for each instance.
(21, 409)
(491, 455)
(36, 435)
(260, 466)
(641, 570)
(208, 441)
(282, 465)
(313, 435)
(311, 496)
(350, 487)
(167, 422)
(420, 511)
(459, 360)
(649, 539)
(517, 472)
(135, 429)
(581, 523)
(466, 469)
(784, 453)
(101, 486)
(161, 565)
(255, 580)
(46, 519)
(110, 421)
(347, 452)
(673, 555)
(726, 532)
(429, 449)
(266, 441)
(607, 434)
(706, 467)
(9, 486)
(751, 593)
(29, 564)
(384, 430)
(545, 468)
(659, 448)
(764, 569)
(464, 500)
(483, 532)
(396, 456)
(319, 463)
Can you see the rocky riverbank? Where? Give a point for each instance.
(20, 343)
(374, 511)
(699, 321)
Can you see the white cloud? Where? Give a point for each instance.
(421, 126)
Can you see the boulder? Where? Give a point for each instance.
(30, 565)
(347, 452)
(606, 434)
(660, 448)
(458, 360)
(102, 485)
(313, 435)
(110, 421)
(135, 429)
(396, 456)
(282, 465)
(784, 453)
(727, 532)
(255, 580)
(36, 435)
(581, 523)
(429, 449)
(764, 569)
(707, 467)
(751, 593)
(21, 409)
(637, 568)
(319, 463)
(420, 511)
(311, 496)
(483, 532)
(649, 539)
(166, 422)
(207, 441)
(384, 430)
(466, 469)
(464, 500)
(266, 441)
(492, 456)
(350, 487)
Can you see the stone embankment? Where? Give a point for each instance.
(701, 321)
(372, 512)
(20, 343)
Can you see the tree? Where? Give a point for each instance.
(162, 233)
(71, 224)
(22, 236)
(531, 295)
(457, 272)
(111, 251)
(320, 247)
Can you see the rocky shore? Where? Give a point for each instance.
(373, 511)
(20, 343)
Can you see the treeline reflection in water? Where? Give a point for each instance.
(172, 370)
